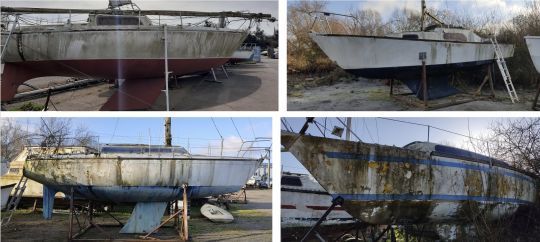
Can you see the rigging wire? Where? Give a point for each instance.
(369, 133)
(216, 127)
(238, 132)
(425, 125)
(114, 131)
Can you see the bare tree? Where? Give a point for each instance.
(13, 139)
(56, 132)
(517, 141)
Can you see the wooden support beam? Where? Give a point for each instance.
(185, 227)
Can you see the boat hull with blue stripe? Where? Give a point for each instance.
(149, 176)
(419, 183)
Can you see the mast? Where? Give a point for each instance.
(348, 131)
(422, 18)
(427, 13)
(168, 137)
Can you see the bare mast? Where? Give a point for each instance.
(168, 137)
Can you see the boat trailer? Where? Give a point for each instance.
(180, 222)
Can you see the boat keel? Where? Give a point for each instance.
(135, 94)
(145, 217)
(48, 201)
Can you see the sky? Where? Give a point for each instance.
(387, 132)
(201, 132)
(506, 8)
(257, 6)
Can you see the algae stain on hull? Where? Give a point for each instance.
(383, 184)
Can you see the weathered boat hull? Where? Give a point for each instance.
(115, 52)
(125, 179)
(397, 58)
(533, 43)
(390, 185)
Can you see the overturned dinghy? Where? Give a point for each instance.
(147, 175)
(216, 214)
(533, 43)
(417, 184)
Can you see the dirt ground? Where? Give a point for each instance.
(253, 222)
(251, 87)
(374, 95)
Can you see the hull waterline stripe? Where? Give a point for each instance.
(380, 159)
(440, 197)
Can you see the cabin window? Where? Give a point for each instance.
(14, 170)
(291, 181)
(455, 37)
(410, 36)
(117, 20)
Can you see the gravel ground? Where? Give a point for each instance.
(373, 95)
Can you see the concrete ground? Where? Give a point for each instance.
(253, 222)
(373, 95)
(251, 87)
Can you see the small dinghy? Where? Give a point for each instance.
(216, 214)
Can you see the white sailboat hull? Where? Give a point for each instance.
(141, 179)
(533, 43)
(386, 57)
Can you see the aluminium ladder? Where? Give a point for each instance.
(504, 71)
(15, 199)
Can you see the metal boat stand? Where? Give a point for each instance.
(182, 229)
(336, 201)
(212, 70)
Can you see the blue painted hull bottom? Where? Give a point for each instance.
(438, 76)
(129, 194)
(415, 72)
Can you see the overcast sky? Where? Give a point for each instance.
(256, 6)
(506, 8)
(381, 131)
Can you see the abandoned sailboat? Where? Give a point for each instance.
(116, 44)
(445, 49)
(533, 43)
(419, 183)
(151, 176)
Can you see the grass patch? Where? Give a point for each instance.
(30, 106)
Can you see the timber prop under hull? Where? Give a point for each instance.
(392, 185)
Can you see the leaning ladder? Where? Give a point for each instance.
(504, 71)
(15, 199)
(4, 46)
